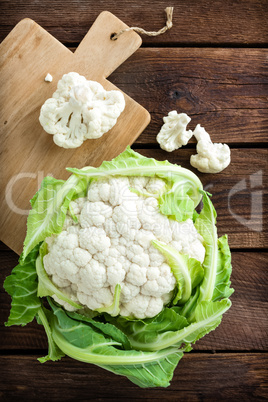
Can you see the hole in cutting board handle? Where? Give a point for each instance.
(112, 37)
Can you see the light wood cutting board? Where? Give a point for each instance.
(28, 153)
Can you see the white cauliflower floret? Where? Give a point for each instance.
(92, 276)
(187, 240)
(67, 240)
(148, 212)
(61, 283)
(112, 244)
(94, 239)
(156, 186)
(139, 183)
(77, 205)
(144, 238)
(115, 273)
(80, 109)
(81, 257)
(95, 214)
(210, 157)
(143, 306)
(99, 190)
(128, 292)
(119, 191)
(173, 133)
(71, 295)
(136, 275)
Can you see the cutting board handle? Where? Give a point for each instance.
(108, 54)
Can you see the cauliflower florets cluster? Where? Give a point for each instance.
(111, 244)
(211, 157)
(80, 109)
(173, 134)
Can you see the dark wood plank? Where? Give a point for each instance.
(194, 22)
(225, 90)
(3, 247)
(198, 377)
(244, 326)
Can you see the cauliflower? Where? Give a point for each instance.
(80, 109)
(210, 158)
(110, 244)
(173, 133)
(48, 78)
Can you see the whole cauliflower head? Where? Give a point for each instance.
(111, 244)
(80, 109)
(173, 133)
(210, 157)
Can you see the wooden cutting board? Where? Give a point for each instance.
(28, 153)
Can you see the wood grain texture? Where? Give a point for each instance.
(244, 326)
(225, 90)
(194, 22)
(27, 54)
(198, 377)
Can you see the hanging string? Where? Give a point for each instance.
(169, 13)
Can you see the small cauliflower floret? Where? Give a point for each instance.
(155, 306)
(128, 292)
(60, 282)
(133, 250)
(198, 251)
(126, 219)
(141, 259)
(160, 281)
(80, 109)
(81, 256)
(95, 214)
(139, 183)
(99, 190)
(76, 206)
(119, 191)
(68, 292)
(68, 270)
(136, 275)
(102, 298)
(150, 288)
(67, 240)
(115, 273)
(210, 157)
(156, 186)
(102, 256)
(113, 256)
(187, 240)
(144, 238)
(143, 307)
(166, 280)
(92, 276)
(156, 258)
(161, 229)
(94, 239)
(176, 244)
(48, 78)
(137, 306)
(173, 133)
(148, 213)
(110, 228)
(69, 222)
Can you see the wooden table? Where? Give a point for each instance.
(212, 65)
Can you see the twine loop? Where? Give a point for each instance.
(169, 13)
